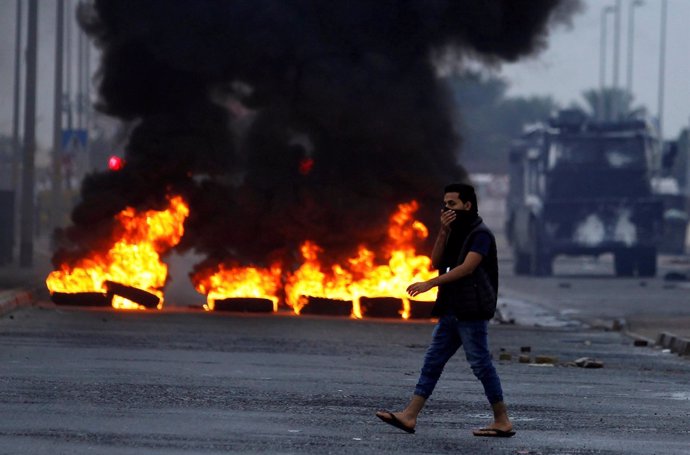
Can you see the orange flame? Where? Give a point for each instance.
(310, 280)
(239, 282)
(386, 280)
(133, 260)
(359, 277)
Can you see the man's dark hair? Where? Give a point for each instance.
(465, 193)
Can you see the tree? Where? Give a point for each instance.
(611, 103)
(488, 120)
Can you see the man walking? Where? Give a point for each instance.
(465, 255)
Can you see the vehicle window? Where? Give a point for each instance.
(610, 152)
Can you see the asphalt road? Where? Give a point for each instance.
(107, 382)
(586, 289)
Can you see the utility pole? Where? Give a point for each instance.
(662, 69)
(56, 193)
(616, 60)
(87, 99)
(16, 147)
(602, 65)
(26, 243)
(82, 104)
(68, 69)
(16, 142)
(631, 46)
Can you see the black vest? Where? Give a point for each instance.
(472, 297)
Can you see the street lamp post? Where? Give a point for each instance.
(16, 147)
(26, 228)
(631, 38)
(17, 155)
(616, 42)
(602, 61)
(615, 98)
(56, 181)
(662, 68)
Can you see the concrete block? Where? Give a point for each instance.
(545, 359)
(665, 340)
(681, 346)
(618, 324)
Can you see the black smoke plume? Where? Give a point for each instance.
(286, 120)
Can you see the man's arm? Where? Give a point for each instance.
(470, 263)
(447, 217)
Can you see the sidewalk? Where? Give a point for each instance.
(19, 285)
(11, 299)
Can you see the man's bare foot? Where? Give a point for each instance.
(499, 426)
(399, 420)
(493, 433)
(496, 429)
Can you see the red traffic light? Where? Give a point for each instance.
(306, 165)
(115, 163)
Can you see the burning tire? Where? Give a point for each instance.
(420, 309)
(244, 305)
(89, 299)
(327, 307)
(381, 307)
(133, 294)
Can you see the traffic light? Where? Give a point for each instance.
(115, 163)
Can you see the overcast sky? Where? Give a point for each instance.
(571, 63)
(569, 66)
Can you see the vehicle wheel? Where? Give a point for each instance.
(646, 262)
(541, 263)
(521, 263)
(509, 229)
(624, 263)
(543, 266)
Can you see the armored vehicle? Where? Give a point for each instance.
(580, 187)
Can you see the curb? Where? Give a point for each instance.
(664, 340)
(676, 344)
(639, 340)
(13, 299)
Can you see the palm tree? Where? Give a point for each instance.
(611, 104)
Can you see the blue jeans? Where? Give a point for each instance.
(449, 335)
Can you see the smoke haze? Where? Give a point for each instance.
(286, 120)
